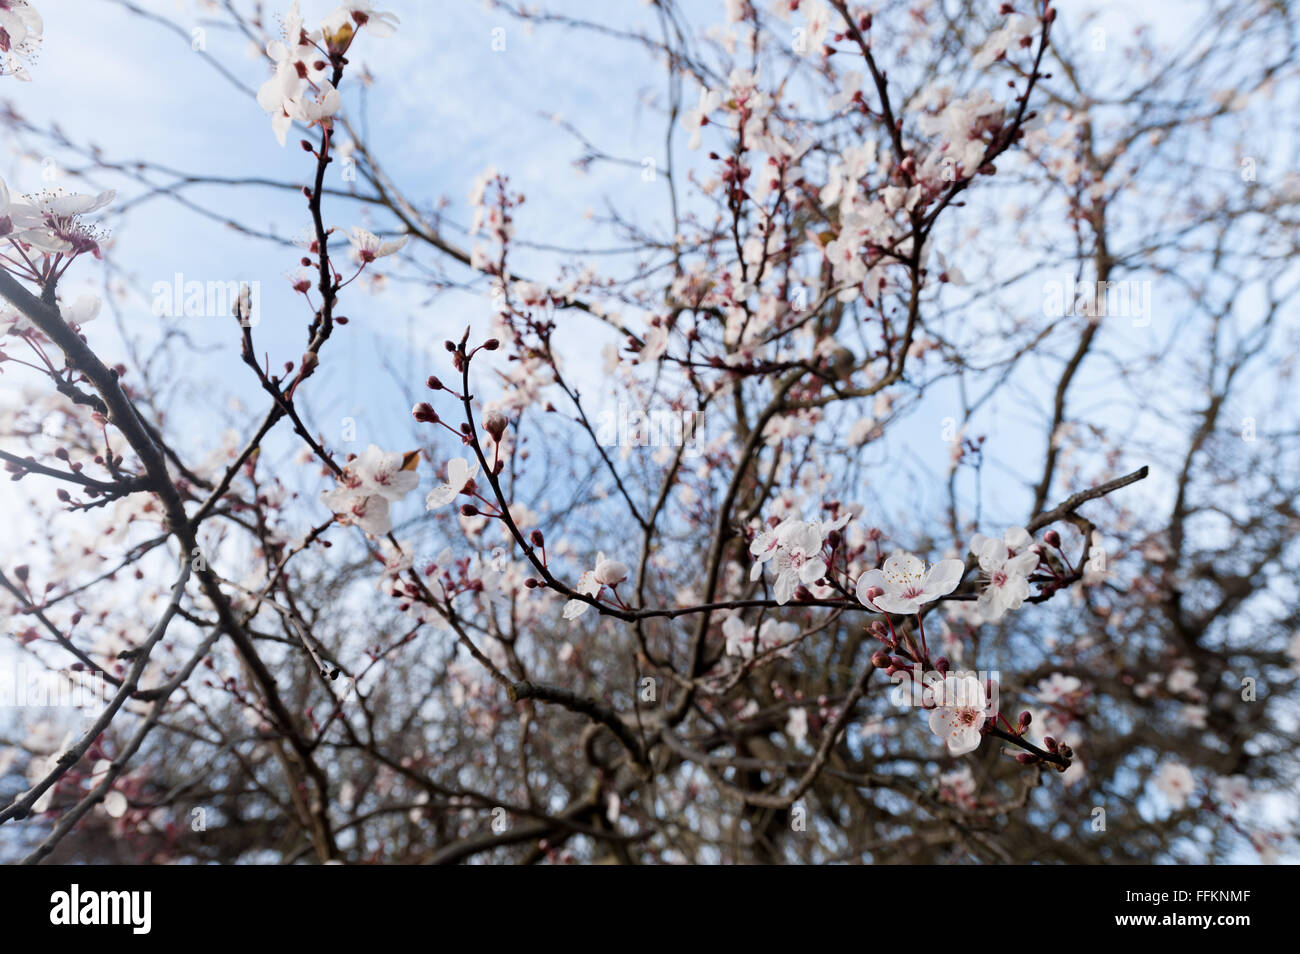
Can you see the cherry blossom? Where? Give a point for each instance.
(796, 725)
(1006, 565)
(338, 25)
(390, 475)
(771, 635)
(1058, 688)
(697, 118)
(51, 221)
(83, 309)
(294, 60)
(368, 485)
(907, 585)
(606, 573)
(796, 547)
(21, 31)
(367, 246)
(1233, 791)
(459, 474)
(610, 572)
(1176, 782)
(960, 713)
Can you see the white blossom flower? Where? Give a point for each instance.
(388, 474)
(771, 634)
(656, 344)
(696, 119)
(1194, 716)
(115, 804)
(313, 104)
(338, 26)
(81, 311)
(1176, 783)
(796, 726)
(962, 708)
(367, 511)
(459, 473)
(369, 246)
(798, 560)
(21, 31)
(294, 64)
(1006, 564)
(1181, 680)
(1232, 790)
(1003, 41)
(397, 560)
(907, 584)
(796, 547)
(588, 585)
(1057, 687)
(51, 221)
(366, 486)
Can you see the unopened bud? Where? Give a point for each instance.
(494, 422)
(611, 572)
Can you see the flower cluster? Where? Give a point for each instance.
(369, 484)
(299, 88)
(747, 641)
(795, 547)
